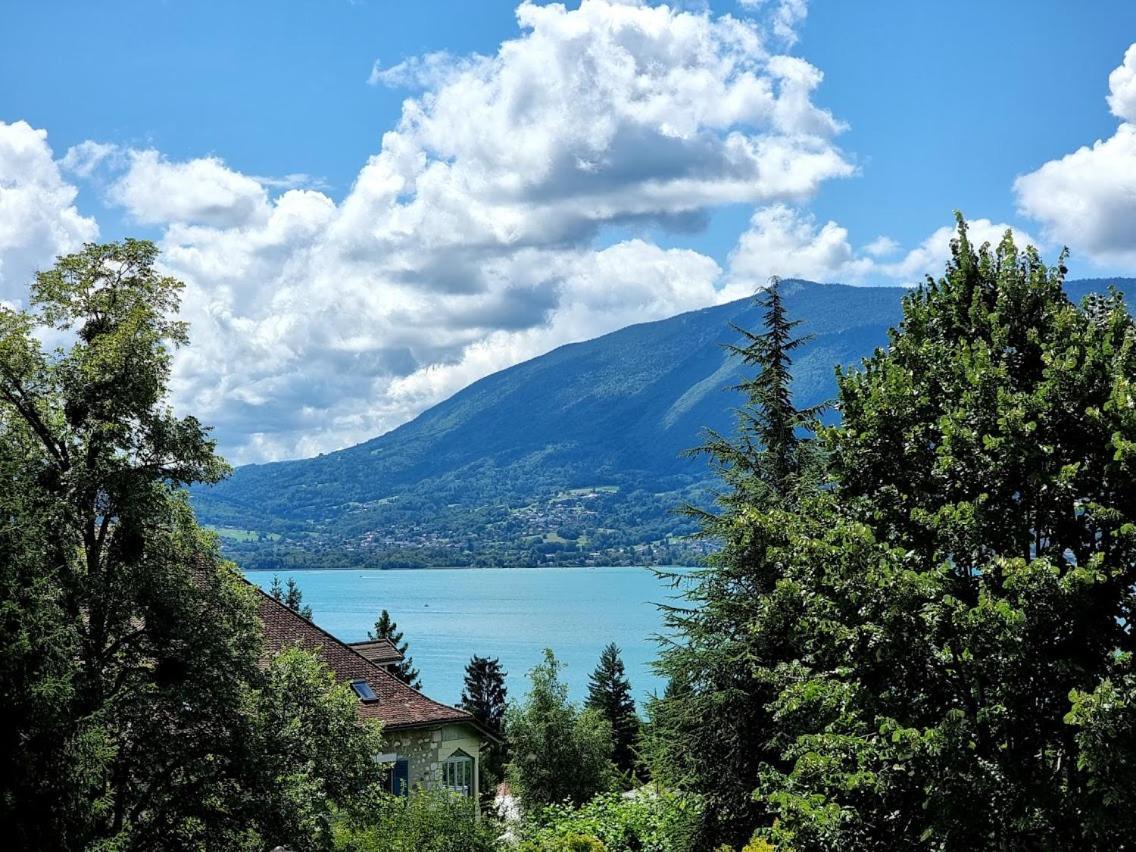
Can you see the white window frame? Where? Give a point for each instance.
(458, 768)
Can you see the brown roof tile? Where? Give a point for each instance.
(381, 652)
(398, 706)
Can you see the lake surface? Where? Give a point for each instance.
(447, 615)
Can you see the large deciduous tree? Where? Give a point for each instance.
(129, 651)
(945, 629)
(974, 614)
(559, 753)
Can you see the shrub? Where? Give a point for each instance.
(651, 821)
(568, 843)
(428, 821)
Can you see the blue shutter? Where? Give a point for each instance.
(400, 777)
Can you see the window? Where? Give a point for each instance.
(457, 773)
(396, 773)
(398, 778)
(363, 690)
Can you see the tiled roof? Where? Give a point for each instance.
(398, 706)
(381, 652)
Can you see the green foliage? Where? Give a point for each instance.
(1105, 725)
(404, 670)
(566, 843)
(124, 717)
(942, 633)
(649, 821)
(705, 730)
(609, 694)
(435, 821)
(133, 710)
(558, 752)
(310, 751)
(484, 696)
(983, 468)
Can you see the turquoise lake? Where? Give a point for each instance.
(447, 615)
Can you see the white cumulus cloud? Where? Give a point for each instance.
(1087, 199)
(38, 217)
(467, 241)
(476, 234)
(789, 243)
(785, 16)
(1122, 87)
(203, 191)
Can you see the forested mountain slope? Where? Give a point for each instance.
(572, 457)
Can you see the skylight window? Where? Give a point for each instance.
(364, 691)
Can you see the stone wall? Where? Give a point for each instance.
(426, 749)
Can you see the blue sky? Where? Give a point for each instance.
(946, 102)
(332, 299)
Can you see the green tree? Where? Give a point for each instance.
(312, 752)
(100, 459)
(558, 752)
(404, 670)
(944, 630)
(772, 454)
(129, 652)
(484, 697)
(609, 694)
(290, 596)
(976, 593)
(658, 820)
(703, 732)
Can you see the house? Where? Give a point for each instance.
(431, 745)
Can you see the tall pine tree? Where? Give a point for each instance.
(772, 454)
(484, 697)
(702, 732)
(609, 693)
(290, 596)
(404, 670)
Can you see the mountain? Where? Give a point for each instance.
(573, 457)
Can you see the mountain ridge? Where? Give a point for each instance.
(574, 456)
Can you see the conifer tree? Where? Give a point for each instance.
(772, 453)
(290, 596)
(484, 697)
(609, 693)
(404, 670)
(484, 694)
(702, 729)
